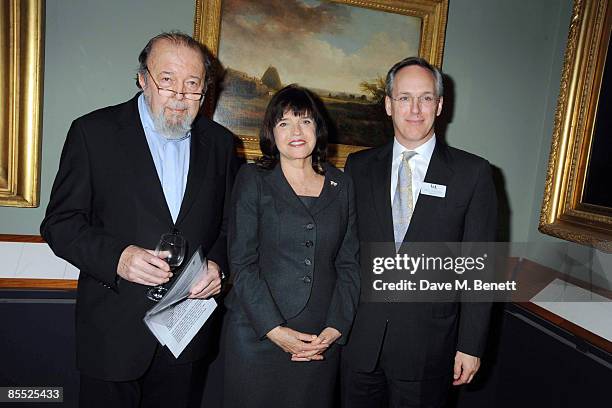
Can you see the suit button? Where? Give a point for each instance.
(308, 244)
(307, 261)
(309, 226)
(306, 279)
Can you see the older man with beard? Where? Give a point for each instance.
(129, 173)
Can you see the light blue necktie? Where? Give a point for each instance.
(403, 203)
(171, 180)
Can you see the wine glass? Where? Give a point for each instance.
(171, 248)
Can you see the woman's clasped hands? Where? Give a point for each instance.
(303, 346)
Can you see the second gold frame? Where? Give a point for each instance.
(565, 212)
(21, 67)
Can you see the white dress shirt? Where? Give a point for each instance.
(418, 165)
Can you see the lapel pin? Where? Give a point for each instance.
(333, 183)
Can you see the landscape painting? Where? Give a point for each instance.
(339, 51)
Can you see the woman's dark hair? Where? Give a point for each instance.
(301, 102)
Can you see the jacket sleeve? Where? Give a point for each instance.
(68, 227)
(250, 287)
(346, 292)
(480, 226)
(218, 252)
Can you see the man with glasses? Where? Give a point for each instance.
(416, 189)
(128, 174)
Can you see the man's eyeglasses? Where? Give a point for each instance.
(424, 101)
(168, 93)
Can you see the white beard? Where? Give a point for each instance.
(171, 130)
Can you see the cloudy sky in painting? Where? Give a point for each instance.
(316, 44)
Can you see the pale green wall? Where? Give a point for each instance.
(504, 58)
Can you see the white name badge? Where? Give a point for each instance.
(432, 189)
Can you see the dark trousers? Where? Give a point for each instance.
(376, 389)
(163, 385)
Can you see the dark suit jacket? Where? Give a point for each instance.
(106, 196)
(422, 337)
(278, 249)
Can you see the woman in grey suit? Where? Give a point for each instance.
(293, 252)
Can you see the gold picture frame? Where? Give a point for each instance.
(432, 13)
(21, 73)
(565, 212)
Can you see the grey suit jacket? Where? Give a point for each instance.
(277, 248)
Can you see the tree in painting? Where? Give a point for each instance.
(338, 51)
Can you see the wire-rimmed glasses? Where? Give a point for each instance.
(424, 101)
(169, 93)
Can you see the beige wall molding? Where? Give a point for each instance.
(21, 271)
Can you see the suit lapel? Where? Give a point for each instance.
(198, 160)
(138, 158)
(277, 180)
(380, 179)
(439, 171)
(331, 189)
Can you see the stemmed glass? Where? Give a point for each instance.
(171, 248)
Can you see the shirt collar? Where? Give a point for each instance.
(424, 151)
